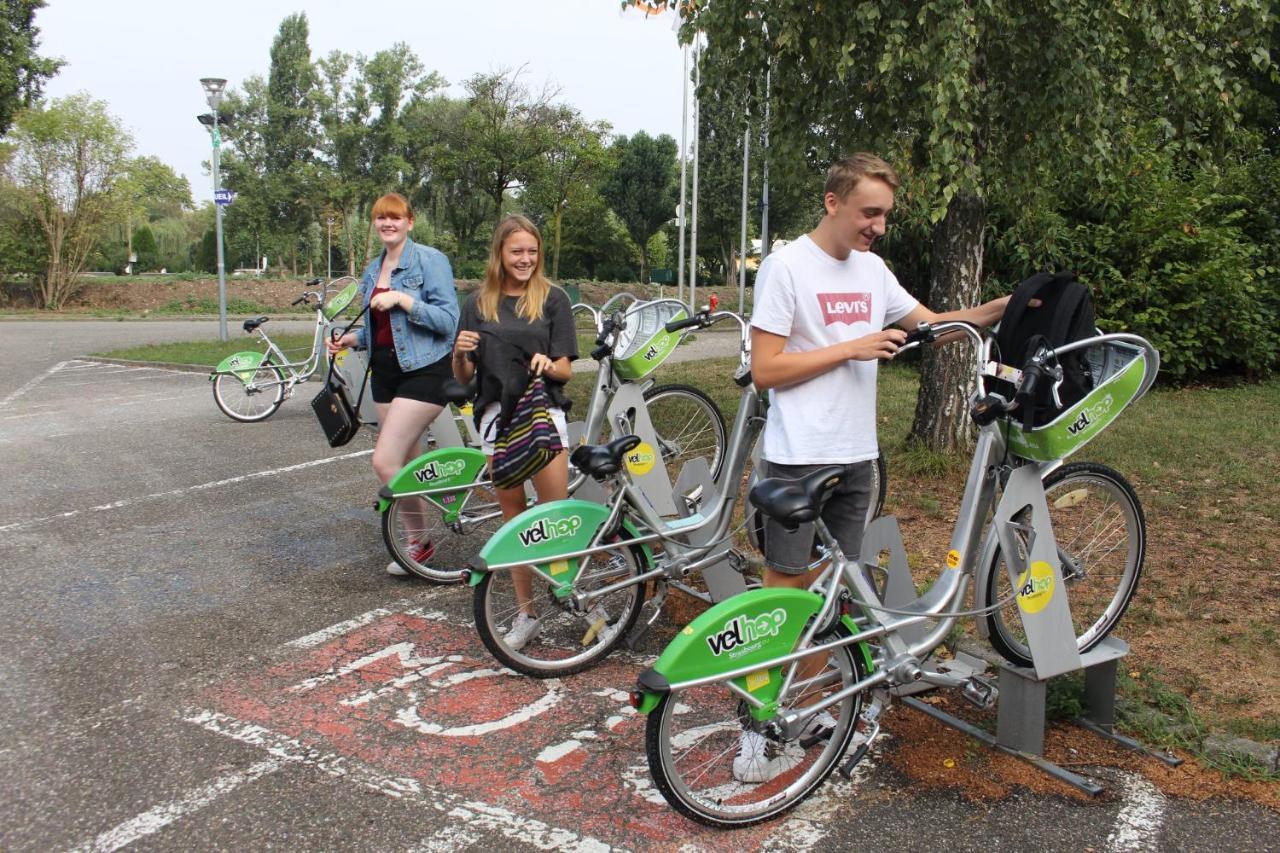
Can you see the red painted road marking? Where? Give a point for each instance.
(421, 699)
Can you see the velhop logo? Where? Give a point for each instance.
(545, 530)
(744, 630)
(439, 470)
(641, 459)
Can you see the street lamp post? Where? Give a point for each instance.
(213, 88)
(328, 249)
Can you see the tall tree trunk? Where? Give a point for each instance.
(946, 377)
(644, 263)
(557, 219)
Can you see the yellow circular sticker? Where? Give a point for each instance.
(953, 558)
(641, 459)
(1035, 587)
(339, 357)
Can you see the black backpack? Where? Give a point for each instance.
(1065, 314)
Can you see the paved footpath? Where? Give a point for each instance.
(202, 651)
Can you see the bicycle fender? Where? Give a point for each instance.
(442, 468)
(754, 627)
(242, 364)
(541, 534)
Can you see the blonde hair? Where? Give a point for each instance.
(845, 173)
(393, 205)
(530, 304)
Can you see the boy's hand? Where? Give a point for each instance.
(878, 345)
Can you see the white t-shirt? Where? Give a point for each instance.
(814, 301)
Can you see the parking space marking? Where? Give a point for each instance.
(1141, 818)
(155, 819)
(229, 481)
(31, 384)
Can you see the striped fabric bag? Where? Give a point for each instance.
(528, 441)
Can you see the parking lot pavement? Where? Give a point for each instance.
(203, 651)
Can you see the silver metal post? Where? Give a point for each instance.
(764, 178)
(742, 258)
(693, 228)
(684, 172)
(222, 270)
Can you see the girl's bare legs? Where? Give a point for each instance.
(402, 423)
(550, 484)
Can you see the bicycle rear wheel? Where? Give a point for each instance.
(1102, 537)
(565, 641)
(255, 400)
(688, 425)
(699, 755)
(418, 538)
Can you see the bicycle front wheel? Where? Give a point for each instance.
(255, 400)
(419, 539)
(1102, 538)
(688, 425)
(714, 763)
(562, 640)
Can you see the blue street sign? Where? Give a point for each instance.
(223, 197)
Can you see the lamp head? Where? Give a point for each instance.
(213, 89)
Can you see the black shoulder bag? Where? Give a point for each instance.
(338, 418)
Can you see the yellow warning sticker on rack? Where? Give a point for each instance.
(953, 558)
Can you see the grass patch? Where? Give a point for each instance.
(209, 353)
(204, 305)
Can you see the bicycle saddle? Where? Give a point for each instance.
(250, 325)
(603, 460)
(794, 502)
(457, 393)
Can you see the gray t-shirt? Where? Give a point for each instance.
(507, 344)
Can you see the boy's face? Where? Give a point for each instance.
(859, 218)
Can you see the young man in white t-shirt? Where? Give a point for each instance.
(818, 334)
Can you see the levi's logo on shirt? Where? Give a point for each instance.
(845, 307)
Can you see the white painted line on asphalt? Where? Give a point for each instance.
(404, 605)
(155, 819)
(33, 383)
(35, 522)
(475, 814)
(1141, 819)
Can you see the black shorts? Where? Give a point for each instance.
(387, 381)
(845, 514)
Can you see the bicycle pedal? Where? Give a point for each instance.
(980, 692)
(592, 631)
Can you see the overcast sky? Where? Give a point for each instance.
(145, 57)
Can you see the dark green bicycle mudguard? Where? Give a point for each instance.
(541, 534)
(442, 468)
(242, 364)
(754, 627)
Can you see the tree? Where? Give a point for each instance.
(642, 189)
(975, 116)
(509, 127)
(67, 162)
(22, 72)
(290, 131)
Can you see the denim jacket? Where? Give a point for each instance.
(424, 334)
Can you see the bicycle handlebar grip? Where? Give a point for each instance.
(919, 336)
(299, 300)
(313, 282)
(1026, 396)
(687, 323)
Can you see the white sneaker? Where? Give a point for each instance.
(523, 629)
(394, 568)
(752, 763)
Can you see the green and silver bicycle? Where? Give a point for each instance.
(440, 508)
(756, 701)
(250, 386)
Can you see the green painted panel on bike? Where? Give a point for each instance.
(754, 627)
(443, 468)
(341, 300)
(651, 344)
(242, 364)
(1079, 424)
(541, 534)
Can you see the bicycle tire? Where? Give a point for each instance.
(698, 730)
(688, 424)
(1094, 512)
(453, 544)
(232, 396)
(552, 652)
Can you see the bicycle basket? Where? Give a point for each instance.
(644, 343)
(339, 302)
(1122, 373)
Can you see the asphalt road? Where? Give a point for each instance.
(203, 652)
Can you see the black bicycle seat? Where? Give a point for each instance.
(794, 502)
(250, 325)
(457, 393)
(603, 460)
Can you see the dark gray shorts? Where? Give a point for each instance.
(845, 514)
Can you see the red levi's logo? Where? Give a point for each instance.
(845, 307)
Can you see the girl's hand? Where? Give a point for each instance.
(466, 342)
(389, 299)
(539, 364)
(336, 345)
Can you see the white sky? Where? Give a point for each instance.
(145, 57)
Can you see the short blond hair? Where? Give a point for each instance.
(844, 174)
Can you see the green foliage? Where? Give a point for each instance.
(22, 71)
(642, 189)
(144, 246)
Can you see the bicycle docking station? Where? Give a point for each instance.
(1019, 697)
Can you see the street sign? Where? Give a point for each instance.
(223, 197)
